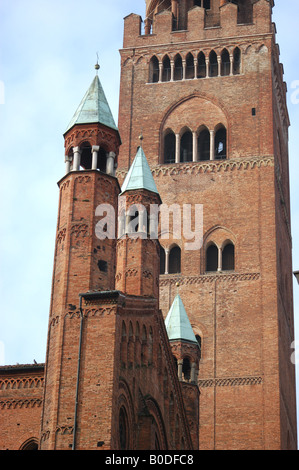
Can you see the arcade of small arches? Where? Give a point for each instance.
(87, 157)
(193, 146)
(190, 66)
(217, 259)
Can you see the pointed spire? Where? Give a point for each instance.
(139, 175)
(94, 107)
(177, 323)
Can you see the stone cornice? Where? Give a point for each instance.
(210, 166)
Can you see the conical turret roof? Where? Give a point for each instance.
(177, 323)
(139, 175)
(94, 108)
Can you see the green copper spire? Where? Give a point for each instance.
(139, 175)
(94, 108)
(177, 323)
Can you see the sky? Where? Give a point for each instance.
(48, 49)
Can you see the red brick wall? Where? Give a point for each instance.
(21, 394)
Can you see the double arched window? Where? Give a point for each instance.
(220, 259)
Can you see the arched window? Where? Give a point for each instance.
(220, 144)
(166, 74)
(228, 257)
(186, 369)
(30, 444)
(186, 147)
(237, 61)
(162, 260)
(213, 64)
(86, 156)
(178, 68)
(123, 429)
(175, 260)
(225, 63)
(201, 66)
(204, 144)
(169, 147)
(154, 70)
(189, 66)
(212, 258)
(102, 160)
(199, 341)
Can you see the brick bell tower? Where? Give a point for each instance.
(205, 79)
(83, 262)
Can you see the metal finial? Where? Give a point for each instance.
(141, 138)
(97, 67)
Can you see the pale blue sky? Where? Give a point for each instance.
(47, 56)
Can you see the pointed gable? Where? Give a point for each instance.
(177, 323)
(94, 108)
(139, 175)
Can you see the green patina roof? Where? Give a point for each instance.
(94, 108)
(177, 323)
(139, 175)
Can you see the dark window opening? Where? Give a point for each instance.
(175, 260)
(186, 147)
(198, 338)
(169, 148)
(253, 112)
(162, 260)
(178, 68)
(228, 258)
(225, 63)
(166, 75)
(212, 258)
(237, 61)
(207, 4)
(220, 144)
(123, 429)
(213, 64)
(86, 156)
(189, 66)
(204, 145)
(103, 266)
(186, 369)
(201, 66)
(154, 70)
(102, 160)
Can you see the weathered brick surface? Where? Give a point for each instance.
(245, 317)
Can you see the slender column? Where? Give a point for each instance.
(207, 67)
(195, 68)
(67, 161)
(231, 57)
(193, 372)
(219, 65)
(177, 148)
(166, 260)
(110, 164)
(212, 145)
(180, 369)
(160, 71)
(219, 259)
(77, 158)
(171, 70)
(184, 69)
(95, 152)
(195, 153)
